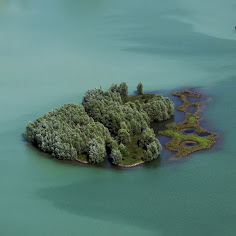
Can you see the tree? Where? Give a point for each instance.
(114, 88)
(108, 109)
(152, 152)
(123, 90)
(140, 89)
(116, 156)
(97, 151)
(159, 108)
(123, 136)
(147, 136)
(123, 150)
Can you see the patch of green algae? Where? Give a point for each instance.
(180, 139)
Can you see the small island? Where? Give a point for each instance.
(108, 124)
(188, 136)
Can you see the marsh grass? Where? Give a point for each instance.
(174, 130)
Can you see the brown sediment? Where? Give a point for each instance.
(120, 165)
(82, 158)
(176, 130)
(132, 165)
(81, 161)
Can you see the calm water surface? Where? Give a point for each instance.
(52, 51)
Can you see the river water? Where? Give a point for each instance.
(52, 51)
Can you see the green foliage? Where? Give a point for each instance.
(123, 125)
(64, 151)
(97, 151)
(65, 132)
(108, 121)
(116, 156)
(123, 150)
(123, 136)
(140, 89)
(159, 108)
(148, 137)
(114, 88)
(123, 90)
(107, 108)
(139, 98)
(152, 152)
(132, 153)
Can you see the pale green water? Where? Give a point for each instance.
(52, 51)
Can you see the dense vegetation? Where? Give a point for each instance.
(68, 132)
(107, 123)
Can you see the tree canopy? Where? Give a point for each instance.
(66, 132)
(103, 125)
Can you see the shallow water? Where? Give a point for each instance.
(203, 134)
(192, 109)
(189, 131)
(51, 52)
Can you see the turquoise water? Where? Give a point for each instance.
(52, 51)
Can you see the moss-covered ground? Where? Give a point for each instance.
(134, 153)
(82, 158)
(191, 122)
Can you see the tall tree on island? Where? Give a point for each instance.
(123, 90)
(140, 89)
